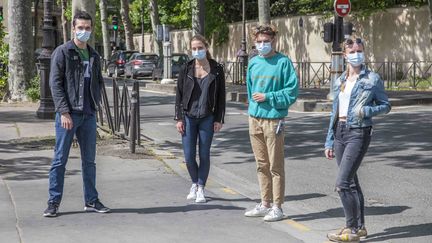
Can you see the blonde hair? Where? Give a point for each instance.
(202, 39)
(346, 43)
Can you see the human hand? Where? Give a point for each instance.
(329, 153)
(180, 127)
(258, 97)
(217, 126)
(66, 121)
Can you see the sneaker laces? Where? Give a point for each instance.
(259, 206)
(200, 190)
(52, 206)
(193, 188)
(98, 204)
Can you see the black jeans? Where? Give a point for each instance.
(350, 147)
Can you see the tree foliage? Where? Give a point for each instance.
(4, 61)
(359, 7)
(219, 13)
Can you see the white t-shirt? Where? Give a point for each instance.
(344, 98)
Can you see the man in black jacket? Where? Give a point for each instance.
(75, 82)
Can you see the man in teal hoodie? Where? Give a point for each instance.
(272, 88)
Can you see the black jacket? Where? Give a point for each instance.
(185, 85)
(67, 78)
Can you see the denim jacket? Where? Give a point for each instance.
(368, 99)
(67, 78)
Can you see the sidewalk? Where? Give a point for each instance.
(146, 196)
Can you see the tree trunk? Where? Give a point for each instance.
(64, 21)
(154, 17)
(430, 19)
(105, 31)
(124, 12)
(36, 23)
(89, 7)
(21, 62)
(264, 12)
(198, 12)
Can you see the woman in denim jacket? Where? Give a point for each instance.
(359, 96)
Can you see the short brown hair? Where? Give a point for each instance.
(267, 29)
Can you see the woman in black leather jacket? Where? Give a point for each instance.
(199, 111)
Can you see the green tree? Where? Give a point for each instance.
(4, 61)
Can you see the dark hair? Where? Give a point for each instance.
(81, 15)
(201, 38)
(267, 29)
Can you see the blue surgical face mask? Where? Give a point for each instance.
(355, 59)
(199, 54)
(83, 35)
(263, 48)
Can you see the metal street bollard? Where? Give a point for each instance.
(133, 120)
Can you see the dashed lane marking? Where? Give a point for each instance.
(298, 226)
(229, 191)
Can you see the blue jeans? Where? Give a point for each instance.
(84, 126)
(201, 129)
(350, 147)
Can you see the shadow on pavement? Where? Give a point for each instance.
(168, 209)
(17, 116)
(401, 232)
(338, 213)
(305, 137)
(287, 198)
(27, 167)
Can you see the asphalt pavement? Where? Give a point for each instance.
(147, 191)
(395, 173)
(147, 197)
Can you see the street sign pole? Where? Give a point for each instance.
(167, 50)
(342, 9)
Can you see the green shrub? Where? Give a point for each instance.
(33, 89)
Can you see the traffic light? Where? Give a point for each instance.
(1, 13)
(114, 22)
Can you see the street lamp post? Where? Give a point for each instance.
(46, 107)
(243, 56)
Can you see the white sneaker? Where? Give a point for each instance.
(193, 192)
(275, 214)
(200, 198)
(258, 211)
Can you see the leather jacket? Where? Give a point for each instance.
(216, 97)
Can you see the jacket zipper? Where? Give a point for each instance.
(91, 80)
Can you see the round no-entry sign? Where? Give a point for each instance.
(342, 7)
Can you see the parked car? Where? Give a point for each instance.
(117, 62)
(178, 60)
(141, 64)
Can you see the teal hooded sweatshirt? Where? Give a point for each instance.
(274, 76)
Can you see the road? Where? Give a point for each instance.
(395, 174)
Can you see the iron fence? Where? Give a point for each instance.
(409, 75)
(123, 117)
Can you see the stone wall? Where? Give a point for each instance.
(398, 34)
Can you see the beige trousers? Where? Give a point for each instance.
(268, 148)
